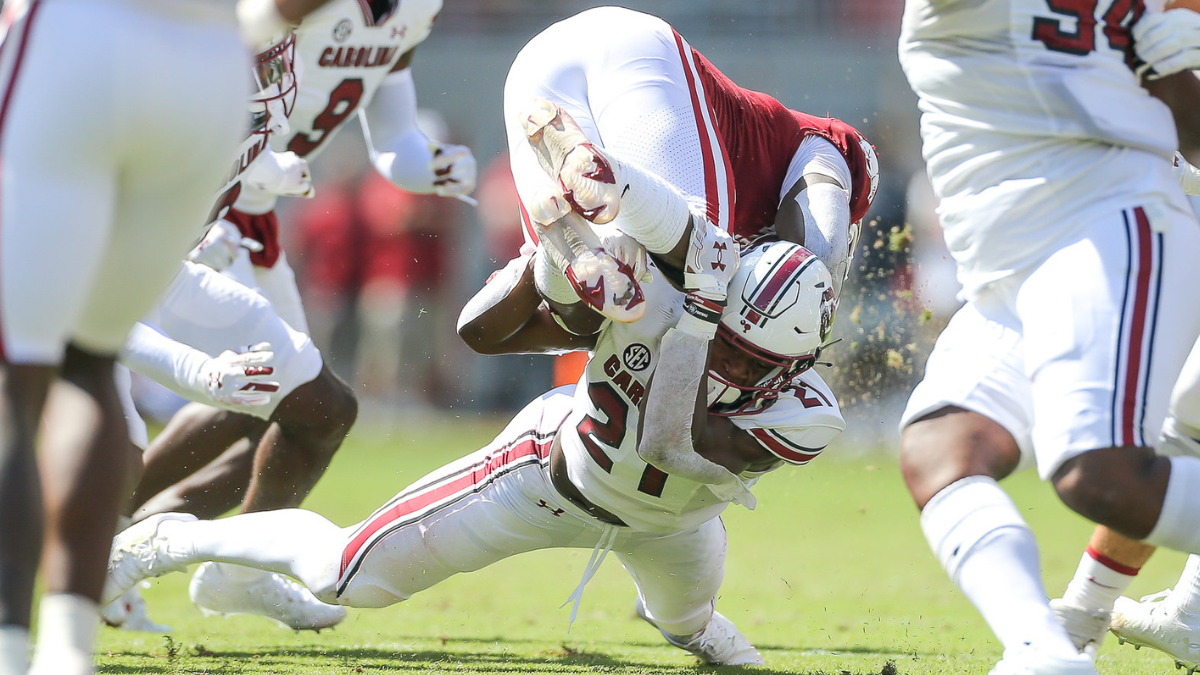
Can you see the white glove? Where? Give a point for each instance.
(240, 379)
(219, 247)
(1187, 175)
(453, 168)
(1168, 42)
(280, 173)
(712, 260)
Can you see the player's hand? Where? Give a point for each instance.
(1167, 42)
(241, 379)
(454, 170)
(281, 173)
(711, 261)
(220, 246)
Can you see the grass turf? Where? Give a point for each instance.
(829, 575)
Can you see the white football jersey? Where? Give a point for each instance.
(1027, 111)
(600, 437)
(344, 50)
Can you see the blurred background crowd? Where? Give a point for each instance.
(384, 273)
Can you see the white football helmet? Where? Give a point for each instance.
(780, 310)
(275, 87)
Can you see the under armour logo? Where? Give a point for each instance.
(557, 512)
(398, 32)
(720, 249)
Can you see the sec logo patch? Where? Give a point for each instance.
(636, 357)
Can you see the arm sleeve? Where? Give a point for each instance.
(666, 439)
(398, 149)
(828, 232)
(172, 364)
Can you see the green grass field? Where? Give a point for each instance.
(829, 575)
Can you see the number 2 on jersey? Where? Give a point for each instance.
(343, 101)
(593, 432)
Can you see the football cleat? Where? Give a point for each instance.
(219, 588)
(587, 178)
(604, 282)
(140, 553)
(1087, 627)
(1159, 622)
(719, 644)
(1030, 661)
(128, 612)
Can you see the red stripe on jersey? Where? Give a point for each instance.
(1137, 330)
(12, 85)
(780, 450)
(711, 193)
(464, 483)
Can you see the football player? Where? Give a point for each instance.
(97, 210)
(620, 463)
(353, 53)
(1053, 167)
(669, 122)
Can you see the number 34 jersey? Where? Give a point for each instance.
(1031, 113)
(600, 436)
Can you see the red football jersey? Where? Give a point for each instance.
(760, 136)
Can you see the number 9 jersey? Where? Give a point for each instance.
(345, 50)
(600, 437)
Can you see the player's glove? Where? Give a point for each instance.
(454, 169)
(1167, 42)
(626, 250)
(240, 379)
(219, 247)
(280, 173)
(712, 259)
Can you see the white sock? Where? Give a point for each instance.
(1098, 582)
(1187, 592)
(983, 543)
(67, 625)
(14, 649)
(1177, 527)
(652, 210)
(295, 542)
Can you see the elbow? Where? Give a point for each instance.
(478, 339)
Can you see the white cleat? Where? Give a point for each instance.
(1030, 661)
(719, 644)
(128, 612)
(588, 179)
(1157, 621)
(140, 553)
(220, 588)
(605, 283)
(1087, 627)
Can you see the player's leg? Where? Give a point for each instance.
(1169, 620)
(306, 430)
(678, 577)
(193, 439)
(1104, 372)
(965, 428)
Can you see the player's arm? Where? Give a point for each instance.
(232, 381)
(815, 211)
(401, 152)
(509, 316)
